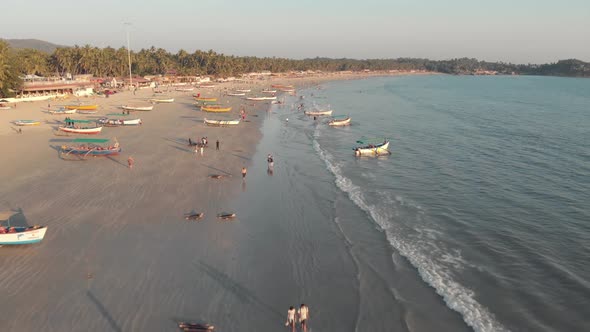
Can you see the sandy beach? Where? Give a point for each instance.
(118, 254)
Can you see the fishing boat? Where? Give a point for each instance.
(161, 100)
(236, 94)
(195, 327)
(81, 107)
(23, 123)
(256, 98)
(73, 128)
(137, 108)
(243, 90)
(5, 107)
(226, 215)
(339, 121)
(194, 216)
(269, 91)
(269, 98)
(319, 112)
(11, 235)
(215, 108)
(372, 149)
(185, 89)
(119, 122)
(87, 112)
(205, 99)
(221, 123)
(63, 111)
(91, 147)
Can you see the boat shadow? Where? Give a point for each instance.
(217, 169)
(243, 294)
(17, 217)
(103, 311)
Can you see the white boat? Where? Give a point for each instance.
(319, 112)
(221, 122)
(185, 89)
(27, 123)
(11, 235)
(236, 94)
(373, 150)
(269, 98)
(158, 101)
(243, 90)
(339, 122)
(269, 91)
(5, 107)
(256, 98)
(87, 112)
(138, 108)
(119, 122)
(85, 131)
(63, 111)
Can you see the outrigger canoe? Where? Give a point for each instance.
(119, 122)
(215, 108)
(81, 107)
(91, 147)
(222, 122)
(27, 122)
(72, 128)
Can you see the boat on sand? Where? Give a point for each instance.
(73, 128)
(81, 107)
(161, 100)
(221, 123)
(11, 235)
(137, 108)
(215, 108)
(91, 147)
(23, 123)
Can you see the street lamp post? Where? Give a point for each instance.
(129, 53)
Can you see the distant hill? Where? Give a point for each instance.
(36, 44)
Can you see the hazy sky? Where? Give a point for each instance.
(519, 31)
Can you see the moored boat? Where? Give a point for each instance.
(319, 112)
(137, 108)
(372, 149)
(81, 107)
(243, 90)
(11, 235)
(221, 122)
(236, 94)
(161, 100)
(91, 147)
(27, 123)
(215, 108)
(119, 122)
(339, 122)
(256, 98)
(63, 111)
(87, 111)
(71, 127)
(205, 99)
(269, 91)
(185, 89)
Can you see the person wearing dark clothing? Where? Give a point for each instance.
(217, 145)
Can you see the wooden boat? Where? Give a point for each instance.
(256, 98)
(86, 112)
(236, 94)
(205, 99)
(11, 235)
(63, 111)
(81, 107)
(119, 122)
(319, 112)
(159, 101)
(27, 122)
(73, 128)
(339, 122)
(91, 147)
(373, 149)
(194, 216)
(195, 327)
(215, 108)
(138, 108)
(221, 123)
(226, 215)
(243, 90)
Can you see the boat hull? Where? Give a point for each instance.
(221, 123)
(161, 101)
(23, 236)
(91, 152)
(68, 111)
(84, 131)
(138, 108)
(318, 113)
(338, 123)
(205, 99)
(377, 150)
(82, 107)
(23, 123)
(215, 109)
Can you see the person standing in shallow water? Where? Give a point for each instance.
(244, 171)
(303, 316)
(291, 319)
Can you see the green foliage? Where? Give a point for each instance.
(9, 74)
(114, 62)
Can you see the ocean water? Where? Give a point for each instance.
(482, 209)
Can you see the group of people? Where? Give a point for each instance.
(302, 314)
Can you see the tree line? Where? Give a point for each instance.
(111, 62)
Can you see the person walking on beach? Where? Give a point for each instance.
(130, 162)
(244, 171)
(217, 145)
(291, 318)
(303, 316)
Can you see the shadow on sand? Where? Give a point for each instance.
(242, 293)
(103, 311)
